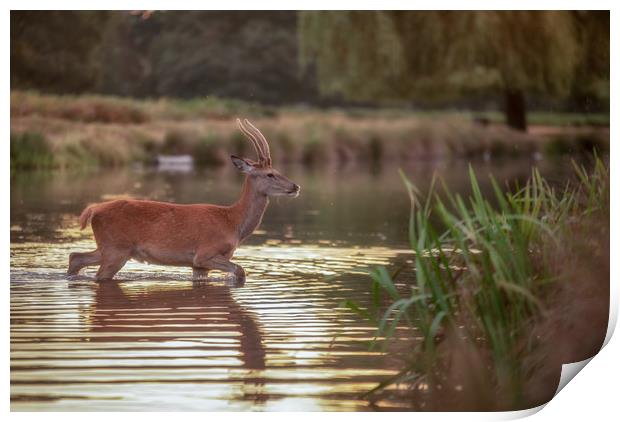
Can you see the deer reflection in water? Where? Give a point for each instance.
(202, 315)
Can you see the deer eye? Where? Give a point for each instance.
(270, 175)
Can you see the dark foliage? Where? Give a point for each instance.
(56, 51)
(246, 55)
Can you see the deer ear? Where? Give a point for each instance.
(241, 164)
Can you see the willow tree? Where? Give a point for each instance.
(406, 55)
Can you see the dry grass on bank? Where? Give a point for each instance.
(74, 131)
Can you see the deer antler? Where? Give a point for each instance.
(255, 142)
(263, 141)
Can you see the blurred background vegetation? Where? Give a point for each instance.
(445, 55)
(244, 55)
(323, 81)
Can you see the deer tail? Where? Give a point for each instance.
(86, 216)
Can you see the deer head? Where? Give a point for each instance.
(265, 178)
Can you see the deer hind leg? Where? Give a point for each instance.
(219, 262)
(111, 262)
(79, 260)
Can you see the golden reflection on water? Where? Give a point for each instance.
(156, 340)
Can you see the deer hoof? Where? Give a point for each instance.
(240, 275)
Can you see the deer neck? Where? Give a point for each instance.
(249, 209)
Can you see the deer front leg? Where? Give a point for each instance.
(200, 273)
(221, 263)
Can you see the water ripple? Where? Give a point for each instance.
(157, 340)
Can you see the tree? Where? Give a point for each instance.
(55, 51)
(404, 55)
(591, 81)
(251, 55)
(240, 54)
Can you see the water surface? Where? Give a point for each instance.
(156, 340)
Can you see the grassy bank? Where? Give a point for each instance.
(504, 292)
(50, 131)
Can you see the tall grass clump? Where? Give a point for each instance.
(482, 274)
(209, 151)
(29, 151)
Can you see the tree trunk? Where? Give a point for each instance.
(515, 109)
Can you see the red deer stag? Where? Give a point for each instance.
(201, 236)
